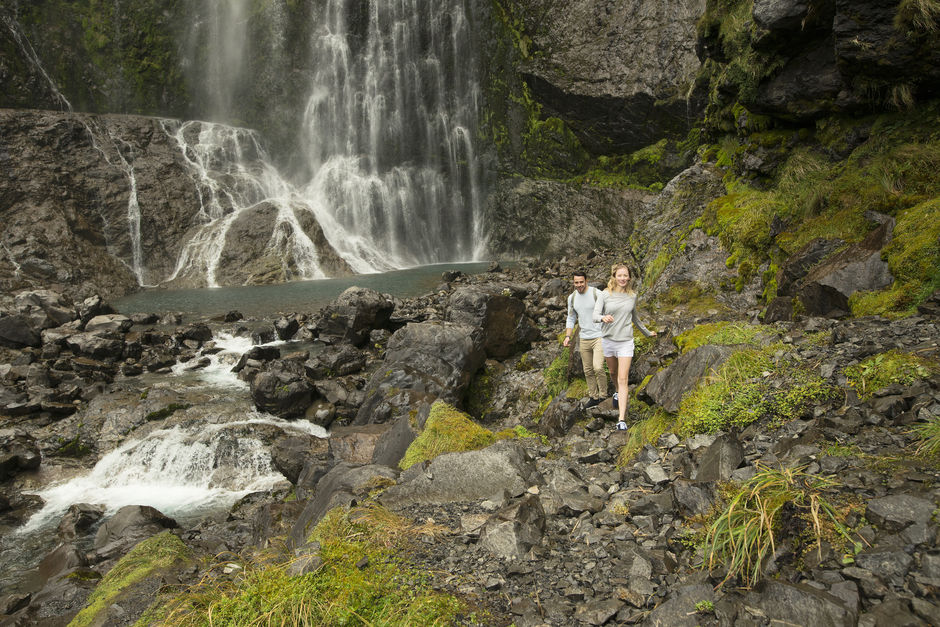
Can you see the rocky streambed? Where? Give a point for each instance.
(573, 523)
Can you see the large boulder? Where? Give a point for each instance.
(341, 486)
(800, 604)
(128, 526)
(668, 386)
(515, 528)
(423, 362)
(503, 468)
(826, 289)
(18, 331)
(18, 453)
(283, 389)
(353, 315)
(505, 328)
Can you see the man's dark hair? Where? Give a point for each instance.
(579, 273)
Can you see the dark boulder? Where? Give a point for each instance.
(128, 526)
(826, 289)
(283, 389)
(290, 454)
(505, 328)
(79, 518)
(423, 362)
(668, 386)
(17, 331)
(18, 453)
(353, 315)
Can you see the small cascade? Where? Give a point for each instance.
(30, 54)
(183, 472)
(227, 350)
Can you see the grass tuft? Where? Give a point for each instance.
(362, 581)
(447, 430)
(745, 534)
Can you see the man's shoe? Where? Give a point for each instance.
(621, 426)
(593, 402)
(616, 401)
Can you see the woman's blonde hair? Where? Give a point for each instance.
(612, 281)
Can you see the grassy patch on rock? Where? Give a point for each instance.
(753, 384)
(364, 580)
(723, 333)
(447, 430)
(147, 558)
(881, 370)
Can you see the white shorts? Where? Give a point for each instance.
(613, 348)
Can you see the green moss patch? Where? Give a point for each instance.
(365, 579)
(884, 369)
(147, 558)
(643, 432)
(722, 333)
(753, 384)
(447, 430)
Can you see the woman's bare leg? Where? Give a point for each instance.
(612, 369)
(623, 379)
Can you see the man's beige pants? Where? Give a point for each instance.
(592, 359)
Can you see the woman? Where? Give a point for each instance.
(616, 310)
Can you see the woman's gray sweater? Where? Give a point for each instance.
(622, 307)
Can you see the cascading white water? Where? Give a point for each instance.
(183, 471)
(389, 127)
(390, 173)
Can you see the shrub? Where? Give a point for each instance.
(928, 434)
(447, 430)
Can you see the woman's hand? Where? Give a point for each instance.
(607, 318)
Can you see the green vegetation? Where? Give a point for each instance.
(364, 580)
(770, 505)
(913, 256)
(447, 430)
(645, 431)
(753, 384)
(814, 195)
(883, 369)
(928, 435)
(167, 411)
(148, 558)
(705, 607)
(722, 333)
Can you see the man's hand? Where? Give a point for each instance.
(567, 340)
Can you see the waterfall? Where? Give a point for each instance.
(389, 127)
(388, 170)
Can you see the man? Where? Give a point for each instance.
(581, 311)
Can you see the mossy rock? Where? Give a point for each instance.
(447, 430)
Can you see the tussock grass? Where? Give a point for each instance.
(362, 581)
(745, 534)
(884, 369)
(918, 15)
(447, 430)
(928, 435)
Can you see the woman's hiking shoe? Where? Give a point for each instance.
(621, 426)
(616, 401)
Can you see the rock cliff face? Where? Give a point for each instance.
(618, 73)
(107, 203)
